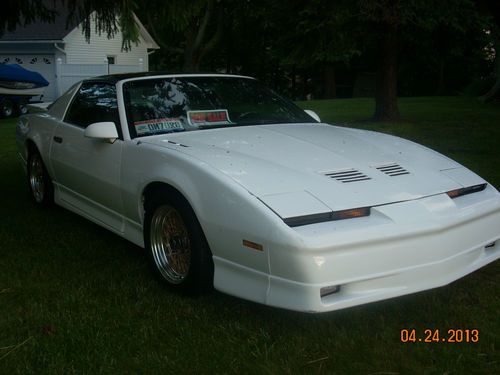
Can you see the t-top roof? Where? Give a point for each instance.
(114, 78)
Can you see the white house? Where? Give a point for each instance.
(62, 55)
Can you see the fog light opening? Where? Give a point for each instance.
(328, 290)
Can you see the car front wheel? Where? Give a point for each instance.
(176, 247)
(39, 182)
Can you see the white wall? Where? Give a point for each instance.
(78, 51)
(69, 74)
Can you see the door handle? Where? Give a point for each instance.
(58, 139)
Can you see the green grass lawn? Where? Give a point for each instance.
(75, 298)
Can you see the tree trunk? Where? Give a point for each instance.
(386, 90)
(329, 89)
(196, 40)
(440, 87)
(495, 90)
(189, 53)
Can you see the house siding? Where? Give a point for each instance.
(67, 61)
(78, 51)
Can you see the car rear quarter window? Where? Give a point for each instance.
(94, 102)
(58, 108)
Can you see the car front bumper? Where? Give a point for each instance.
(401, 248)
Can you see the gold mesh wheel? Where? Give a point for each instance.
(170, 244)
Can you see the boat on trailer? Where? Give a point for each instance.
(17, 87)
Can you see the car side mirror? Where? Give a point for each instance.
(313, 114)
(102, 130)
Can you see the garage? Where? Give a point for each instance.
(40, 63)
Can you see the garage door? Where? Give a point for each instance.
(43, 64)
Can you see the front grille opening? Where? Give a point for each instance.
(350, 175)
(393, 170)
(329, 290)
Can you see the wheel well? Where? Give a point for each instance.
(161, 187)
(30, 147)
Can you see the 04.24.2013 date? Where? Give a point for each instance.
(436, 335)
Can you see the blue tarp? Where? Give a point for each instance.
(16, 73)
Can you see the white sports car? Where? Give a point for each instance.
(227, 185)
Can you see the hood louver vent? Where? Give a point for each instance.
(393, 170)
(351, 175)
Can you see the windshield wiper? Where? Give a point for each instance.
(216, 126)
(236, 125)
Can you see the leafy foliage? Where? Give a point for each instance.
(109, 15)
(318, 48)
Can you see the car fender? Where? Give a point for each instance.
(243, 216)
(38, 129)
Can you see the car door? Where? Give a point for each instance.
(87, 171)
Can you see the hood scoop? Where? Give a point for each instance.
(392, 170)
(345, 176)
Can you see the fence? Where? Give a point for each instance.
(68, 74)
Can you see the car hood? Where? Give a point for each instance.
(305, 168)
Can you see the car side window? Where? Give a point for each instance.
(94, 102)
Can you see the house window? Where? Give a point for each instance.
(111, 60)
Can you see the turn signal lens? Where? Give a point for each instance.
(351, 214)
(330, 216)
(464, 191)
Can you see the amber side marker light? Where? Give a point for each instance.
(253, 245)
(467, 190)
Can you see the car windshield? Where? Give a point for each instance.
(166, 105)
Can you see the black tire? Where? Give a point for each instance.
(22, 107)
(39, 182)
(6, 108)
(178, 253)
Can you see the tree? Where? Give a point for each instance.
(289, 42)
(398, 22)
(318, 35)
(24, 12)
(442, 51)
(491, 8)
(189, 30)
(385, 18)
(495, 89)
